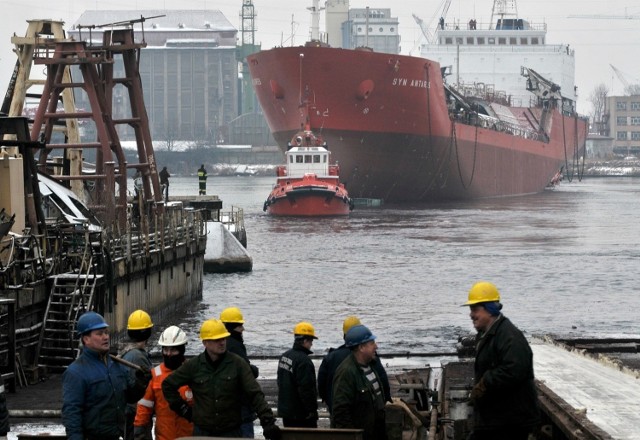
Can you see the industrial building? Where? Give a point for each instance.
(623, 114)
(190, 76)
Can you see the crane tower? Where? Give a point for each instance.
(249, 103)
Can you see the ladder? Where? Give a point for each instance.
(72, 294)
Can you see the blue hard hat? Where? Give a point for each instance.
(90, 321)
(358, 334)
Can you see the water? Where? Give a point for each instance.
(565, 262)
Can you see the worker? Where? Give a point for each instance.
(168, 424)
(139, 328)
(202, 180)
(504, 393)
(95, 388)
(297, 390)
(334, 358)
(358, 398)
(218, 380)
(234, 323)
(164, 182)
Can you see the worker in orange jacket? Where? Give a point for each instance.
(169, 425)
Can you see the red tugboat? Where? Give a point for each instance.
(308, 184)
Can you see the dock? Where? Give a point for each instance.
(603, 390)
(582, 396)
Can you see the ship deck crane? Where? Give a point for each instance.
(424, 27)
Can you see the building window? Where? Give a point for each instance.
(480, 40)
(491, 40)
(448, 40)
(524, 41)
(622, 135)
(470, 40)
(513, 40)
(502, 40)
(635, 106)
(635, 120)
(359, 29)
(621, 105)
(392, 29)
(635, 135)
(534, 40)
(381, 29)
(458, 40)
(621, 120)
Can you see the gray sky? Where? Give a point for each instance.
(597, 42)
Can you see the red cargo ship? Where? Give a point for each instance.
(400, 133)
(308, 185)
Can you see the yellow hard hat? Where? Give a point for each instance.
(349, 322)
(481, 292)
(304, 329)
(213, 329)
(139, 320)
(232, 314)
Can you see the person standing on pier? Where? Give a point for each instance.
(139, 328)
(358, 398)
(234, 323)
(95, 388)
(164, 182)
(297, 391)
(218, 380)
(168, 424)
(504, 395)
(202, 180)
(334, 358)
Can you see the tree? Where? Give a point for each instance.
(598, 99)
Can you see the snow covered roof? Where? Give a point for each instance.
(171, 20)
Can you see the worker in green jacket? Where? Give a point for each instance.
(218, 380)
(202, 180)
(358, 396)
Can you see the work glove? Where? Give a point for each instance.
(272, 432)
(183, 410)
(477, 392)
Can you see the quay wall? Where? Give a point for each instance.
(162, 283)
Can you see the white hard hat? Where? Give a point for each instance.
(172, 337)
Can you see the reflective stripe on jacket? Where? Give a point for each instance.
(169, 425)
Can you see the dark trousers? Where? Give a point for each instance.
(248, 416)
(203, 187)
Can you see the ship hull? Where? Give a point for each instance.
(308, 197)
(308, 202)
(386, 120)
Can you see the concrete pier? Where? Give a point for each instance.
(609, 397)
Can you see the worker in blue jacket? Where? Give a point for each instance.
(95, 389)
